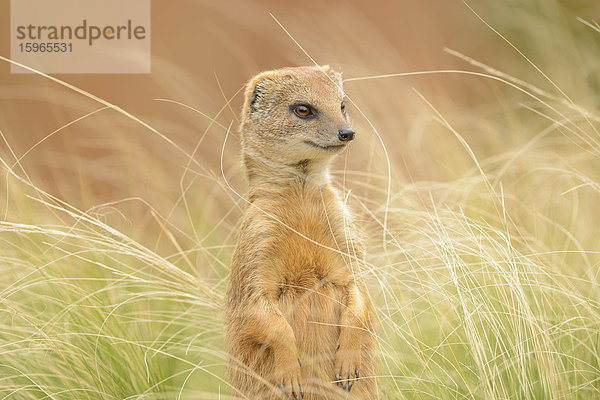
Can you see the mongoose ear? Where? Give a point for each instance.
(256, 93)
(261, 85)
(256, 88)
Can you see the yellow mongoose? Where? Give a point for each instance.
(300, 320)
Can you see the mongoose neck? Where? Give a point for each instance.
(272, 175)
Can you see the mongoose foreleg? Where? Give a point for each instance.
(266, 324)
(353, 323)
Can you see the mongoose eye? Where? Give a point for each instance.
(303, 111)
(343, 107)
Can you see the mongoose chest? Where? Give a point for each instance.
(313, 247)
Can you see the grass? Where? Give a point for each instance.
(484, 268)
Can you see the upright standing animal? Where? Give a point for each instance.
(300, 319)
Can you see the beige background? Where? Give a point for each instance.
(204, 51)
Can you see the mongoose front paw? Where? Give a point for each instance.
(347, 365)
(288, 379)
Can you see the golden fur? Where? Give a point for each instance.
(300, 319)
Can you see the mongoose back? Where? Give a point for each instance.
(300, 320)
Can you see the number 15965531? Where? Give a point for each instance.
(46, 47)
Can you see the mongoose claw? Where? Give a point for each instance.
(346, 367)
(289, 383)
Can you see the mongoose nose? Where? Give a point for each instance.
(346, 134)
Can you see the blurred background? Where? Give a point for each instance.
(203, 52)
(493, 143)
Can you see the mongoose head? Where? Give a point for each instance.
(294, 116)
